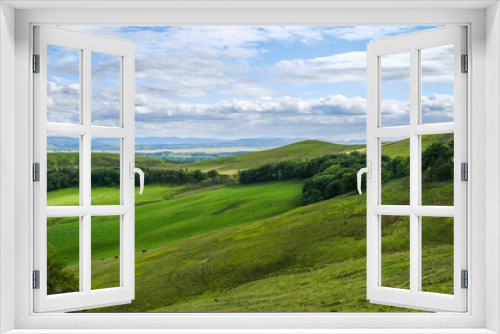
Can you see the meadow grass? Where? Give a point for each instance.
(312, 258)
(167, 214)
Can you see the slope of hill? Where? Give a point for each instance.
(165, 214)
(70, 160)
(302, 150)
(311, 258)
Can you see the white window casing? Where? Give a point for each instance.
(479, 315)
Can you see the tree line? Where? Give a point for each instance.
(110, 177)
(336, 174)
(327, 176)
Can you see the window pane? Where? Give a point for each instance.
(395, 251)
(395, 89)
(437, 169)
(105, 90)
(105, 252)
(63, 170)
(437, 254)
(105, 171)
(63, 255)
(395, 171)
(437, 84)
(63, 85)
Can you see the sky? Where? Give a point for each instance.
(245, 82)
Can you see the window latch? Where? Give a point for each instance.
(368, 171)
(134, 170)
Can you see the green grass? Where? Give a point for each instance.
(311, 258)
(111, 195)
(166, 214)
(302, 150)
(253, 248)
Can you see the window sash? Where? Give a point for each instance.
(414, 297)
(86, 297)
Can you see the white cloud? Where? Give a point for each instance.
(359, 33)
(437, 66)
(336, 117)
(349, 66)
(63, 103)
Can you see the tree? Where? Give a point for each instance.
(437, 161)
(60, 279)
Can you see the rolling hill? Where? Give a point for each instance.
(311, 258)
(253, 247)
(302, 150)
(165, 214)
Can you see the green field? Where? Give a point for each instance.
(168, 214)
(255, 247)
(315, 260)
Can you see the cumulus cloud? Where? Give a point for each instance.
(63, 103)
(437, 108)
(359, 33)
(437, 66)
(335, 117)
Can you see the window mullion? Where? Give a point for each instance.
(86, 262)
(415, 265)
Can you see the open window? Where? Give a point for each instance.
(429, 61)
(66, 95)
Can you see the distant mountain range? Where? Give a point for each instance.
(65, 144)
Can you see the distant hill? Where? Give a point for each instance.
(65, 144)
(302, 150)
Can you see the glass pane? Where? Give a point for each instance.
(63, 85)
(63, 255)
(437, 84)
(105, 249)
(437, 254)
(63, 170)
(395, 171)
(395, 251)
(395, 89)
(437, 169)
(105, 171)
(105, 90)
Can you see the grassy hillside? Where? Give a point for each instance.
(167, 214)
(311, 258)
(70, 160)
(402, 147)
(254, 247)
(302, 150)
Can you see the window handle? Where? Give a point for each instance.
(368, 171)
(134, 170)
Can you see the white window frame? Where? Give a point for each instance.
(413, 43)
(484, 101)
(86, 44)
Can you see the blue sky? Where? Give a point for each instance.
(240, 82)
